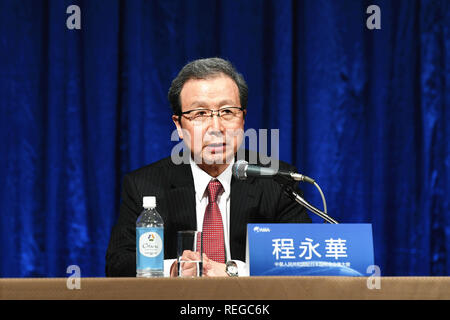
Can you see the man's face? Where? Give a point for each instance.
(214, 140)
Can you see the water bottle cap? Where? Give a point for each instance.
(149, 202)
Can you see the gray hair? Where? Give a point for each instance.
(204, 69)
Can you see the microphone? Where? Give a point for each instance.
(241, 170)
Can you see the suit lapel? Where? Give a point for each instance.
(181, 198)
(245, 202)
(245, 199)
(244, 196)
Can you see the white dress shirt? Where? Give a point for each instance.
(201, 181)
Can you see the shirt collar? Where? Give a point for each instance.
(202, 179)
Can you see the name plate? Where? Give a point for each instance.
(287, 249)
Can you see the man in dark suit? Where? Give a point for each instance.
(209, 102)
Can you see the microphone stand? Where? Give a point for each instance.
(294, 196)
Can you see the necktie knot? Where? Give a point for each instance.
(214, 189)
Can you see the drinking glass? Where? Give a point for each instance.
(189, 253)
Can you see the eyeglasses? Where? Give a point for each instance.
(198, 116)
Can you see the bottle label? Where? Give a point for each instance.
(150, 248)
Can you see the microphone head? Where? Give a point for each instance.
(240, 169)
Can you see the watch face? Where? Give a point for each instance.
(232, 269)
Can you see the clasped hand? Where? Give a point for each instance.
(189, 269)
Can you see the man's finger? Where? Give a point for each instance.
(189, 255)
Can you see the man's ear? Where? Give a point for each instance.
(177, 120)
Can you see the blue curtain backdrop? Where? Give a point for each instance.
(364, 112)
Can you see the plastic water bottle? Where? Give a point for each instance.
(149, 241)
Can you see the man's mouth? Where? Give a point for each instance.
(216, 146)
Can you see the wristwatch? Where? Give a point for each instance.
(231, 269)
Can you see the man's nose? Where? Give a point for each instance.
(216, 123)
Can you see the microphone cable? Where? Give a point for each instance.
(323, 197)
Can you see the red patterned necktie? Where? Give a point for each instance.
(213, 240)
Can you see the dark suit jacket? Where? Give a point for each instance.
(252, 201)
